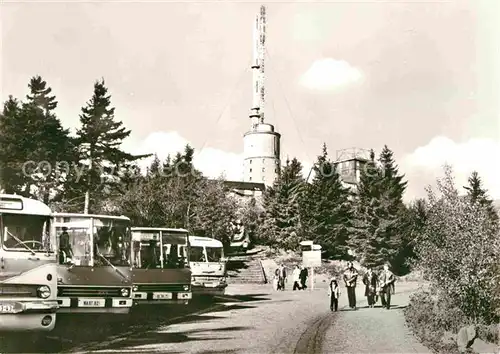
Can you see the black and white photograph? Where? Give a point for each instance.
(289, 177)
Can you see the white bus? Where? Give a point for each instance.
(28, 265)
(94, 270)
(208, 266)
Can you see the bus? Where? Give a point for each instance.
(160, 266)
(208, 266)
(93, 249)
(28, 266)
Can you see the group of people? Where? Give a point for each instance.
(375, 285)
(299, 277)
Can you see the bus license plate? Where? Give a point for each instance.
(91, 302)
(7, 308)
(210, 285)
(162, 296)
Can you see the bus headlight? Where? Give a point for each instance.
(43, 291)
(135, 288)
(125, 292)
(186, 287)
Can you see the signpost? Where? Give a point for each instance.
(311, 257)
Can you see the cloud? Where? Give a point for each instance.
(424, 165)
(327, 74)
(211, 161)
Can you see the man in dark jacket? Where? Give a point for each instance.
(387, 280)
(350, 280)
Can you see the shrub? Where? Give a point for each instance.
(489, 333)
(459, 251)
(430, 318)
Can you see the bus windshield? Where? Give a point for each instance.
(146, 249)
(26, 233)
(196, 254)
(214, 254)
(107, 243)
(174, 245)
(111, 242)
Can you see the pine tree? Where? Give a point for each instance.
(478, 195)
(282, 225)
(394, 186)
(40, 94)
(376, 234)
(54, 146)
(101, 160)
(327, 210)
(15, 144)
(35, 146)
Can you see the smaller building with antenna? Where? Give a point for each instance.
(261, 144)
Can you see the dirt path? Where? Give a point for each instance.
(372, 330)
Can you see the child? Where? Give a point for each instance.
(334, 293)
(276, 282)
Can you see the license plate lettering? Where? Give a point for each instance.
(7, 308)
(162, 296)
(91, 303)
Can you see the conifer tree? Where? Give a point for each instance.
(35, 146)
(54, 146)
(478, 195)
(376, 235)
(282, 226)
(327, 210)
(102, 163)
(39, 94)
(15, 145)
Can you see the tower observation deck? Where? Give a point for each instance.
(261, 144)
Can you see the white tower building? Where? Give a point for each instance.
(261, 144)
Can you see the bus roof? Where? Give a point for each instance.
(96, 216)
(137, 228)
(201, 241)
(16, 204)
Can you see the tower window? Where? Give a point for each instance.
(263, 169)
(275, 170)
(250, 179)
(250, 170)
(250, 161)
(263, 160)
(263, 178)
(277, 162)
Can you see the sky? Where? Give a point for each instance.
(421, 77)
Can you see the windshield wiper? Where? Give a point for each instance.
(20, 242)
(112, 265)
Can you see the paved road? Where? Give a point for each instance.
(262, 321)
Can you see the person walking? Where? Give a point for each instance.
(387, 280)
(296, 278)
(370, 280)
(282, 277)
(303, 277)
(276, 279)
(350, 279)
(334, 294)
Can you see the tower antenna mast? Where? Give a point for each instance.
(259, 37)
